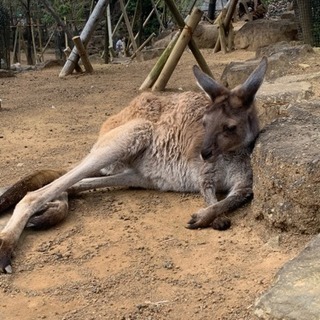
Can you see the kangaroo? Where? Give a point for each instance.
(185, 142)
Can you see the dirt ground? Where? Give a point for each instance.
(122, 254)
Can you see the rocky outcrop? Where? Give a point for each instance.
(280, 56)
(295, 294)
(260, 33)
(286, 166)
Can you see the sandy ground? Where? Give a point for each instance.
(121, 254)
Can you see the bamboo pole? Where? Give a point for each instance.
(15, 57)
(109, 26)
(65, 34)
(143, 45)
(85, 36)
(226, 22)
(222, 16)
(177, 52)
(127, 22)
(46, 45)
(83, 54)
(222, 37)
(192, 45)
(33, 42)
(40, 40)
(154, 73)
(157, 14)
(119, 21)
(145, 22)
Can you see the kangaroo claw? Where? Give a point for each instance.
(5, 256)
(199, 220)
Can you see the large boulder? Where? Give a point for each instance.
(260, 33)
(286, 166)
(280, 57)
(295, 295)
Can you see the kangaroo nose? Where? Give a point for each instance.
(206, 154)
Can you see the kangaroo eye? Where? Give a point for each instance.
(229, 129)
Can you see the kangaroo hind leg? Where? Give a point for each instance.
(123, 143)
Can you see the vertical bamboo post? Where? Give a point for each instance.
(15, 45)
(222, 37)
(85, 36)
(177, 52)
(65, 34)
(40, 40)
(226, 23)
(33, 42)
(109, 27)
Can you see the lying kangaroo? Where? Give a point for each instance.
(186, 142)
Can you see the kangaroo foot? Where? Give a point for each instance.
(53, 213)
(6, 249)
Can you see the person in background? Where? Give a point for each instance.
(59, 42)
(120, 47)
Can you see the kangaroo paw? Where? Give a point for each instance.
(53, 213)
(201, 219)
(6, 249)
(221, 223)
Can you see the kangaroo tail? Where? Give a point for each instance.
(33, 181)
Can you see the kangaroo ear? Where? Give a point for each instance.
(211, 87)
(249, 88)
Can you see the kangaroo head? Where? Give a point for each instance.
(230, 121)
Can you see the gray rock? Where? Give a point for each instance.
(260, 33)
(286, 166)
(295, 294)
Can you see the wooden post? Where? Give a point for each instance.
(219, 21)
(83, 54)
(156, 70)
(222, 37)
(226, 24)
(192, 45)
(85, 36)
(177, 52)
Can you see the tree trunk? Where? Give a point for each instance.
(305, 19)
(58, 20)
(212, 9)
